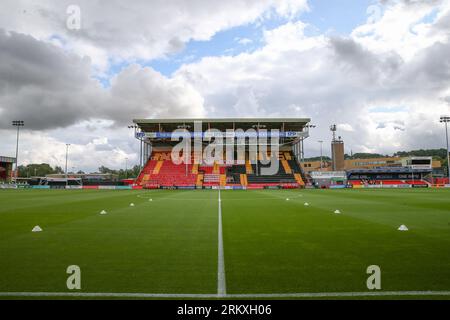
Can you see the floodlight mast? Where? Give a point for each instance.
(18, 124)
(446, 120)
(321, 154)
(67, 156)
(141, 141)
(302, 154)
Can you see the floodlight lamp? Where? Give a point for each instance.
(445, 119)
(18, 123)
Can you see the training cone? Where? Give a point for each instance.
(103, 212)
(403, 228)
(288, 199)
(150, 200)
(306, 204)
(131, 204)
(37, 229)
(337, 212)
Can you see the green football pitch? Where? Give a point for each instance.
(173, 244)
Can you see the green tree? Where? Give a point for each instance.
(364, 156)
(58, 170)
(106, 170)
(435, 153)
(39, 170)
(324, 158)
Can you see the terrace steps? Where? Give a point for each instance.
(200, 180)
(223, 180)
(158, 167)
(244, 181)
(248, 167)
(299, 179)
(216, 169)
(286, 166)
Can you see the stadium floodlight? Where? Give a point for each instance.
(141, 144)
(302, 141)
(446, 120)
(126, 168)
(18, 124)
(321, 154)
(67, 156)
(259, 126)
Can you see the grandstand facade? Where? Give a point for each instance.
(6, 168)
(230, 153)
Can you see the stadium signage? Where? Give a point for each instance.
(8, 186)
(140, 135)
(219, 134)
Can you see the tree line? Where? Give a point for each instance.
(43, 169)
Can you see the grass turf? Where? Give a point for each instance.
(271, 245)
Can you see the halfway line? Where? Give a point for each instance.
(221, 283)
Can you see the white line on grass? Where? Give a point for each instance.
(221, 283)
(228, 296)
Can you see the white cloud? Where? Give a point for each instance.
(244, 41)
(403, 27)
(141, 30)
(346, 127)
(92, 144)
(340, 80)
(49, 88)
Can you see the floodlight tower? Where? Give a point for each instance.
(446, 120)
(337, 151)
(141, 142)
(302, 142)
(333, 129)
(18, 124)
(67, 156)
(321, 154)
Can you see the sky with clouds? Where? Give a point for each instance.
(380, 69)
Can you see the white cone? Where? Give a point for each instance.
(287, 199)
(103, 212)
(150, 200)
(403, 228)
(131, 204)
(337, 212)
(37, 229)
(306, 204)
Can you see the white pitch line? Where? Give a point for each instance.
(228, 296)
(341, 294)
(221, 283)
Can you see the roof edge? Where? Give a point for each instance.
(223, 120)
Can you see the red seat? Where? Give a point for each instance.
(169, 175)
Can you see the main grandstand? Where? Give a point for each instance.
(159, 138)
(245, 170)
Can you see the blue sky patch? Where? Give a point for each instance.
(338, 17)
